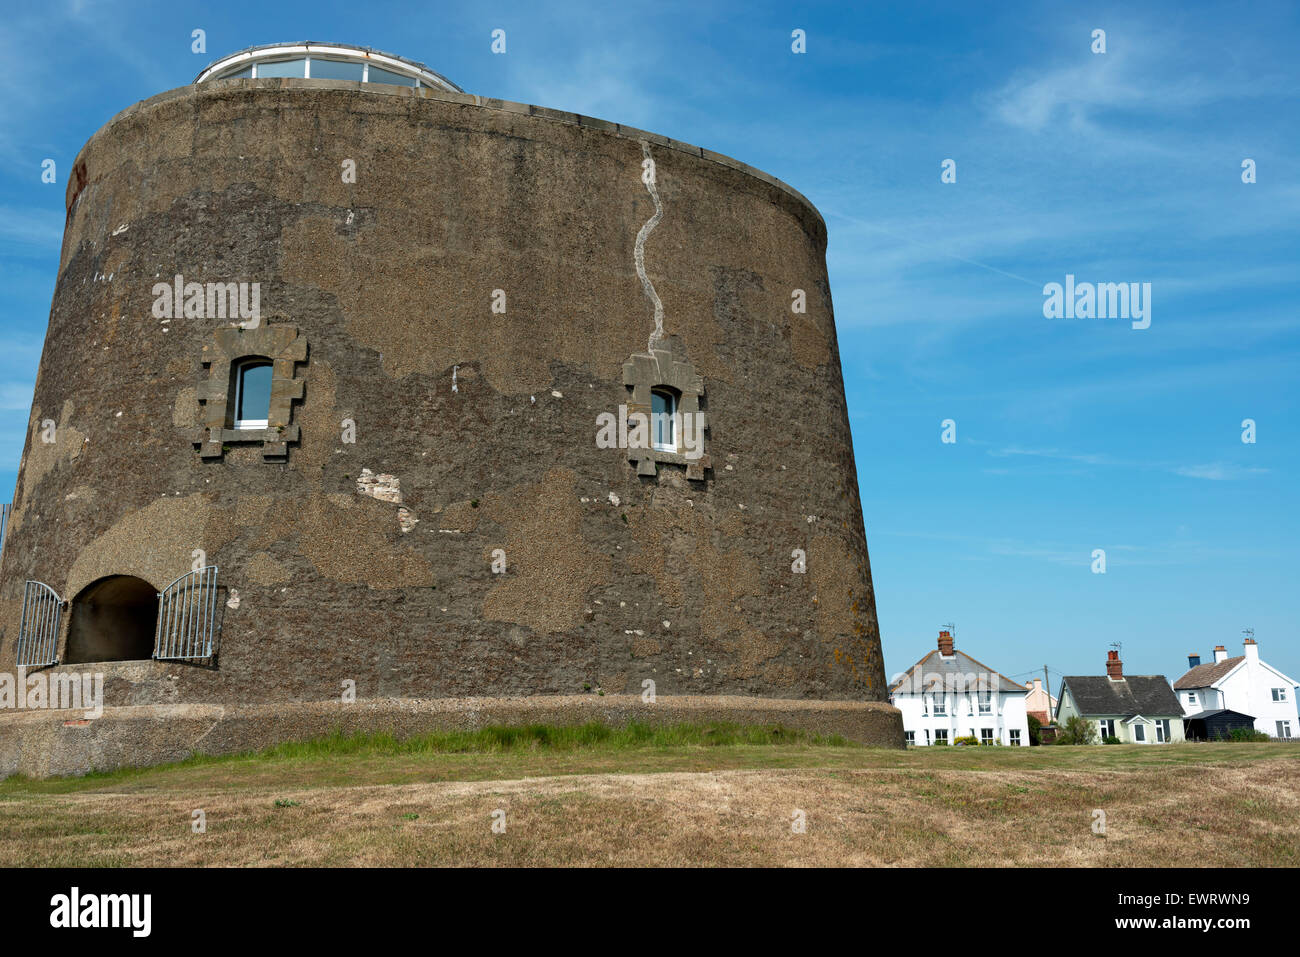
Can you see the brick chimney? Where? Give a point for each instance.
(945, 644)
(1193, 660)
(1114, 667)
(1220, 654)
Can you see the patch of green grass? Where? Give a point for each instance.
(539, 739)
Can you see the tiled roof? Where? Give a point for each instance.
(1147, 695)
(936, 669)
(1202, 676)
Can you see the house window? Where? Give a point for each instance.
(1162, 732)
(940, 705)
(941, 734)
(252, 394)
(911, 737)
(986, 702)
(1284, 730)
(663, 410)
(1015, 736)
(1191, 697)
(1107, 728)
(986, 735)
(1140, 732)
(1279, 694)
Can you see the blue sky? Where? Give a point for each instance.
(1072, 435)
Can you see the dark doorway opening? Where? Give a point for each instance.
(113, 619)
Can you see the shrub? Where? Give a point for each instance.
(1248, 734)
(1077, 730)
(1111, 739)
(968, 739)
(1035, 731)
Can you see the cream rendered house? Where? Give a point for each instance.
(1141, 709)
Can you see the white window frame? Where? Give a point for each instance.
(1014, 735)
(986, 736)
(940, 734)
(1162, 731)
(1106, 727)
(1139, 732)
(1279, 695)
(658, 417)
(909, 738)
(940, 706)
(240, 368)
(1191, 697)
(985, 702)
(1284, 730)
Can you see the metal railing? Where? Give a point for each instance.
(187, 616)
(38, 635)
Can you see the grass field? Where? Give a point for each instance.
(686, 795)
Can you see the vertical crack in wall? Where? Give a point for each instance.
(638, 256)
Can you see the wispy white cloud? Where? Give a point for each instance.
(1218, 471)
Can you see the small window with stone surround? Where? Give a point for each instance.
(669, 395)
(250, 389)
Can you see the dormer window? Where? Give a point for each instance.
(663, 412)
(252, 394)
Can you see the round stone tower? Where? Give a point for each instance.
(363, 396)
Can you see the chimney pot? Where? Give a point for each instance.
(945, 644)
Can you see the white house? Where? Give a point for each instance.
(1141, 709)
(1245, 684)
(949, 695)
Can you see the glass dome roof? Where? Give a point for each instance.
(325, 61)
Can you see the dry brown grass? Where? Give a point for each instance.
(990, 807)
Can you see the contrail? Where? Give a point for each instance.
(638, 255)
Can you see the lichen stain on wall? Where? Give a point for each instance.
(551, 567)
(843, 606)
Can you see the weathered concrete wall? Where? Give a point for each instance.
(611, 578)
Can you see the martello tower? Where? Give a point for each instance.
(377, 381)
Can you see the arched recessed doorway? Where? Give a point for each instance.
(113, 619)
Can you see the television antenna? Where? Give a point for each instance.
(1249, 633)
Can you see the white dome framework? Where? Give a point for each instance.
(309, 60)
